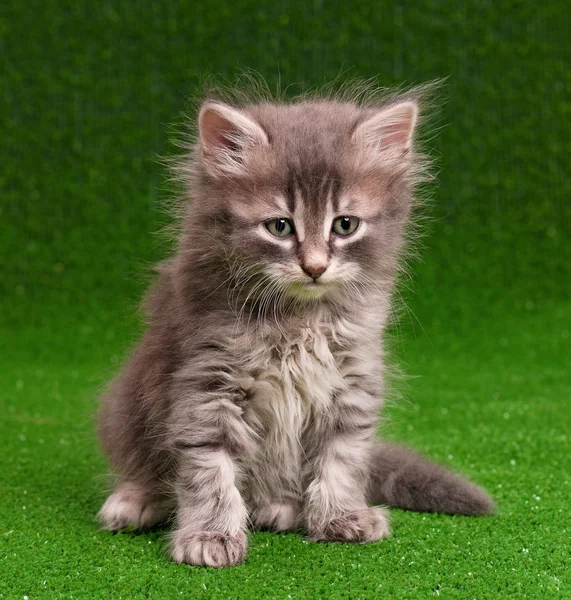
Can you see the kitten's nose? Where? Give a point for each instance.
(314, 270)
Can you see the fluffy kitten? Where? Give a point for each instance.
(254, 395)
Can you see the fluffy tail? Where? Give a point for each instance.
(405, 479)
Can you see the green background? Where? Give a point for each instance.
(90, 95)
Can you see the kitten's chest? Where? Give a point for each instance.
(295, 381)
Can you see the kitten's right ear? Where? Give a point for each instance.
(389, 132)
(226, 136)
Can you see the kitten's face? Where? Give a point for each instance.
(312, 199)
(310, 242)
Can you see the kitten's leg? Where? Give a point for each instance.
(133, 504)
(335, 507)
(211, 514)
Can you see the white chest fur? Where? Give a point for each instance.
(294, 381)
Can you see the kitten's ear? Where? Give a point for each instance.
(390, 130)
(226, 136)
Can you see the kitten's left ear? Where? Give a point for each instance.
(390, 130)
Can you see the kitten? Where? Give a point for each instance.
(254, 395)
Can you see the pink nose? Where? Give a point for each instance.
(315, 271)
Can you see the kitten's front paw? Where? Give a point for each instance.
(208, 548)
(276, 516)
(131, 505)
(358, 526)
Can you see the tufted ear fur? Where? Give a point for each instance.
(226, 136)
(390, 130)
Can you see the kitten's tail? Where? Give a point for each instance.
(405, 479)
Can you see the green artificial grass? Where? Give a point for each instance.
(490, 407)
(87, 95)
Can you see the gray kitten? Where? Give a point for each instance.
(254, 395)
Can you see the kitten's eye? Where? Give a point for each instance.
(279, 227)
(345, 225)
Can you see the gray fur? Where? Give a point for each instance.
(254, 395)
(404, 478)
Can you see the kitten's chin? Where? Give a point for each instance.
(308, 291)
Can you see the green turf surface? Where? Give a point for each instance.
(87, 95)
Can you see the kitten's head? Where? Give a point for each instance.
(312, 197)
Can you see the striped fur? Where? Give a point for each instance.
(254, 395)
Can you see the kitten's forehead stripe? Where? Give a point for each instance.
(281, 204)
(329, 215)
(299, 216)
(290, 192)
(343, 204)
(335, 189)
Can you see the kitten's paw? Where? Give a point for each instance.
(131, 505)
(276, 516)
(208, 548)
(358, 526)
